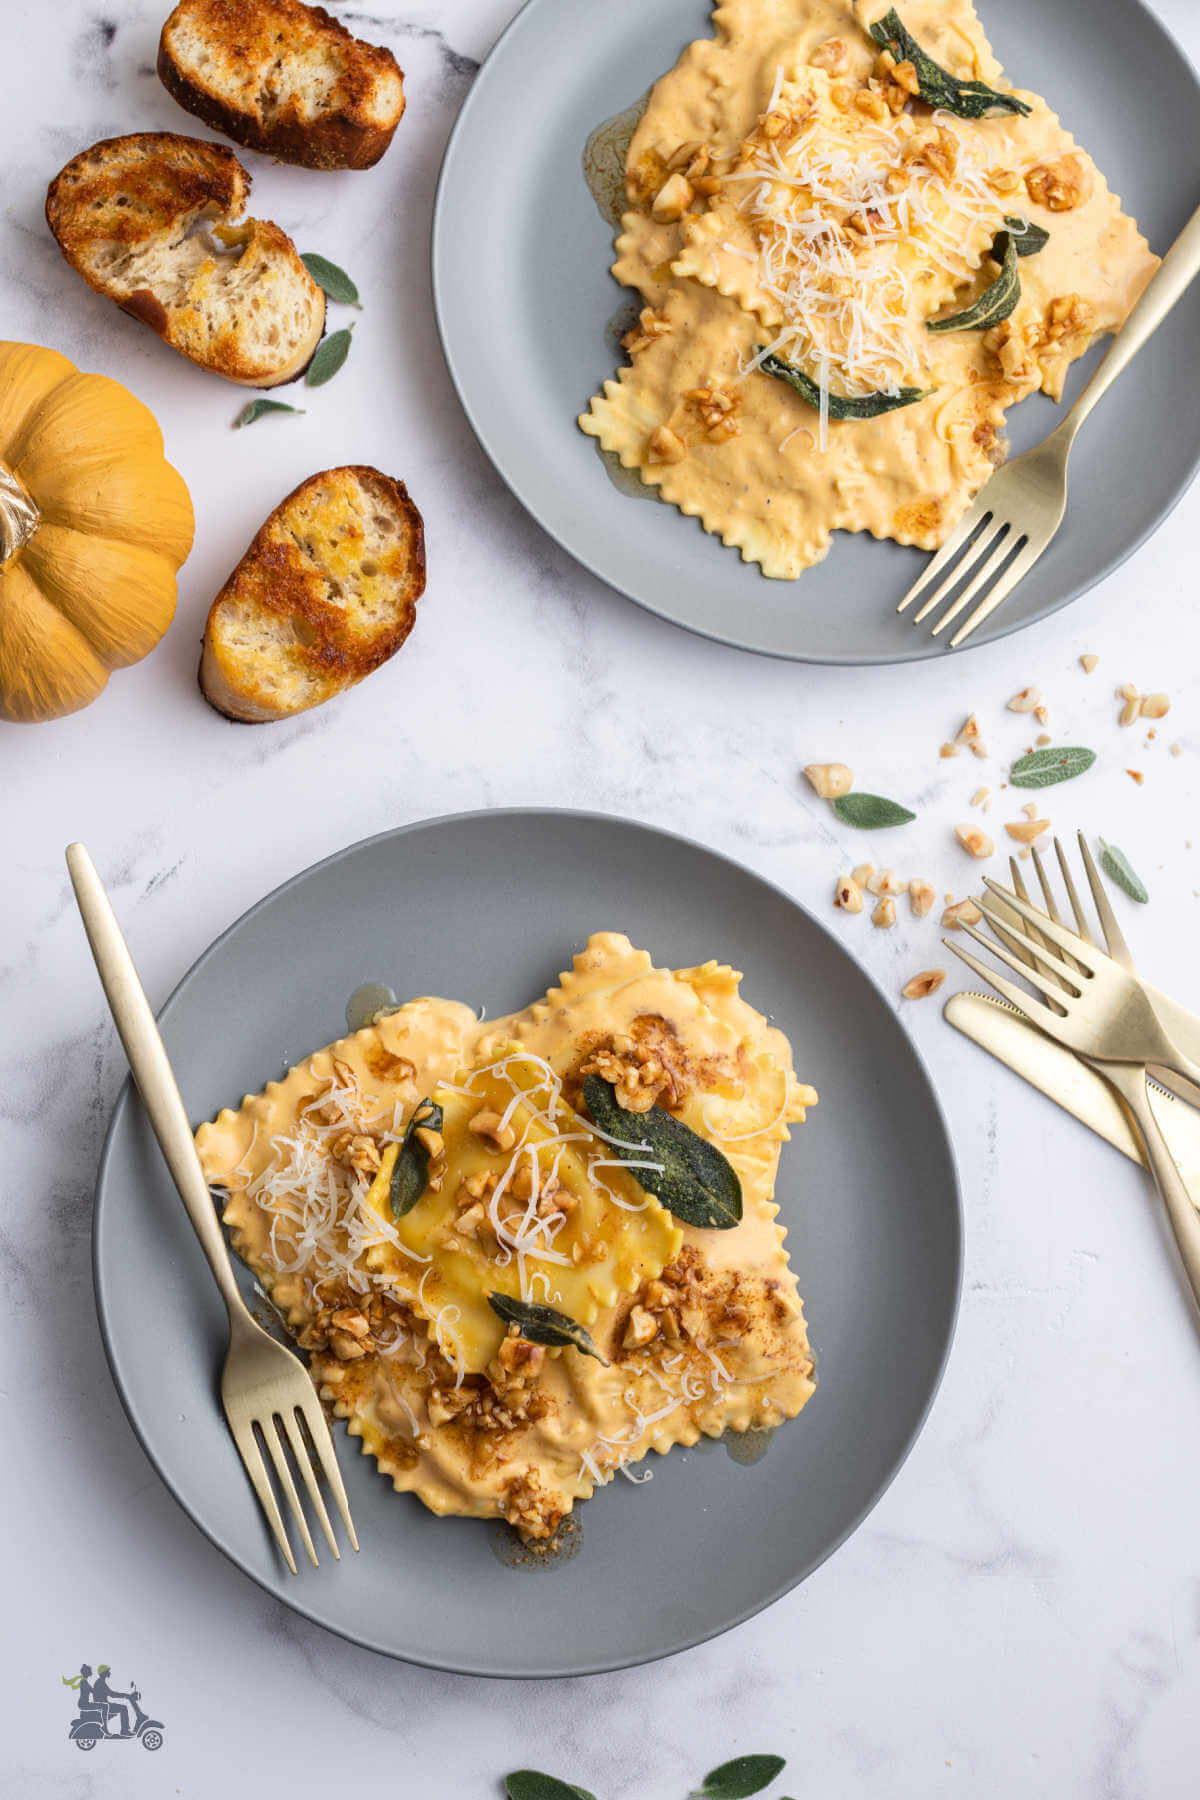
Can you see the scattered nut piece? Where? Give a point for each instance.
(979, 796)
(665, 447)
(486, 1124)
(1025, 830)
(921, 898)
(1176, 749)
(1155, 706)
(1042, 715)
(948, 750)
(830, 780)
(922, 985)
(1136, 775)
(848, 895)
(1043, 738)
(1025, 701)
(1088, 662)
(1133, 703)
(1030, 809)
(862, 874)
(974, 841)
(673, 199)
(885, 913)
(961, 912)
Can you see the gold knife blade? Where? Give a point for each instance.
(1058, 1073)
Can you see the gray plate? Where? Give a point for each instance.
(520, 259)
(867, 1189)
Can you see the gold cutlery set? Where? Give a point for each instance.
(1100, 1041)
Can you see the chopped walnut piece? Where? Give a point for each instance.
(1003, 181)
(641, 1328)
(665, 447)
(1025, 830)
(1155, 706)
(1026, 700)
(974, 841)
(1088, 662)
(1011, 345)
(961, 912)
(848, 895)
(832, 55)
(871, 103)
(1067, 316)
(885, 913)
(650, 325)
(1059, 186)
(922, 985)
(345, 1346)
(829, 780)
(486, 1124)
(672, 199)
(921, 897)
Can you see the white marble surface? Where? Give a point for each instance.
(1021, 1613)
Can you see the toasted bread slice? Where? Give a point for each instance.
(283, 78)
(327, 592)
(151, 221)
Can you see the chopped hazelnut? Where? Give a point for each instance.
(970, 736)
(1155, 706)
(974, 841)
(885, 913)
(1026, 700)
(1133, 703)
(961, 912)
(829, 780)
(862, 874)
(641, 1329)
(979, 796)
(948, 750)
(486, 1124)
(665, 447)
(1088, 662)
(921, 897)
(673, 199)
(922, 985)
(848, 895)
(1025, 830)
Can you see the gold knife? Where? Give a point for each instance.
(1058, 1073)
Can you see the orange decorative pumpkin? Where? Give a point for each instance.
(94, 524)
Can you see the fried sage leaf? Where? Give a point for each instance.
(841, 406)
(738, 1779)
(995, 302)
(871, 812)
(1028, 237)
(531, 1784)
(333, 281)
(410, 1176)
(686, 1173)
(1046, 768)
(1118, 868)
(329, 358)
(935, 85)
(544, 1325)
(257, 409)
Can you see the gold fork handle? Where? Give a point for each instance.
(151, 1069)
(1129, 1079)
(1176, 272)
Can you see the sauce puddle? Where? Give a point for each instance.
(367, 1002)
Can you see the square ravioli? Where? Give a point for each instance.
(816, 233)
(675, 1328)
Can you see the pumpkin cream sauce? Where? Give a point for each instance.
(696, 1330)
(788, 193)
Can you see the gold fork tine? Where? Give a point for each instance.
(1118, 949)
(303, 1459)
(1024, 1003)
(1001, 546)
(969, 561)
(1020, 944)
(1032, 973)
(1081, 924)
(1005, 584)
(970, 522)
(251, 1455)
(318, 1432)
(1052, 904)
(283, 1473)
(1053, 933)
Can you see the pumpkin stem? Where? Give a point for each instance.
(19, 516)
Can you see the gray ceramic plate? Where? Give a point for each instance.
(867, 1189)
(520, 260)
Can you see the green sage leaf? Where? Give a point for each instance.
(334, 281)
(1118, 868)
(935, 85)
(738, 1779)
(1046, 768)
(870, 812)
(687, 1174)
(996, 301)
(330, 356)
(841, 406)
(531, 1784)
(1028, 237)
(544, 1325)
(410, 1176)
(257, 409)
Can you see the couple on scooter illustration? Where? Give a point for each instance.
(106, 1713)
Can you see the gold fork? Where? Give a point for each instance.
(1016, 514)
(266, 1391)
(1102, 1013)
